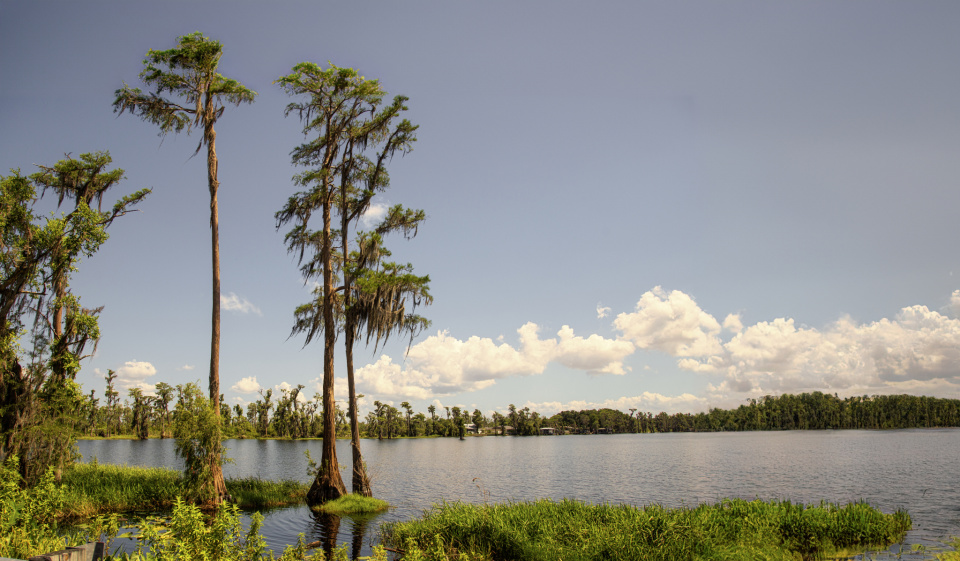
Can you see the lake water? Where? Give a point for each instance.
(917, 470)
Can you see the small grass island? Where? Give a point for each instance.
(353, 504)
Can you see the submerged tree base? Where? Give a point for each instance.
(731, 529)
(325, 488)
(353, 504)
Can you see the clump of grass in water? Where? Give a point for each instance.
(353, 504)
(572, 530)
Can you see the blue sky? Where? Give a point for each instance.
(663, 205)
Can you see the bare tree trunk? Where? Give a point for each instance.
(361, 481)
(328, 484)
(216, 468)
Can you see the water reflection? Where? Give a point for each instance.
(327, 527)
(913, 469)
(359, 532)
(355, 533)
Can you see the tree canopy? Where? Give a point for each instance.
(38, 255)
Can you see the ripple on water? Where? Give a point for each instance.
(918, 470)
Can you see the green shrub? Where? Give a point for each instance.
(28, 516)
(198, 430)
(190, 535)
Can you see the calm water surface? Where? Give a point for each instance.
(918, 470)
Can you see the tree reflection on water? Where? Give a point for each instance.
(327, 528)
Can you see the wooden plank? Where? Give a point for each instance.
(92, 551)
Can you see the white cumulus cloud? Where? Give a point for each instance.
(247, 385)
(672, 323)
(732, 323)
(593, 354)
(134, 374)
(373, 215)
(444, 365)
(645, 402)
(386, 378)
(917, 348)
(145, 388)
(233, 303)
(918, 351)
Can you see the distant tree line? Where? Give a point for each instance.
(806, 411)
(290, 415)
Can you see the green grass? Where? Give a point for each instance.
(951, 555)
(256, 493)
(575, 531)
(353, 504)
(94, 488)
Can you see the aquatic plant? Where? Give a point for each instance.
(572, 530)
(93, 488)
(353, 504)
(951, 555)
(253, 492)
(190, 535)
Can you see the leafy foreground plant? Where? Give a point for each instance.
(190, 535)
(571, 530)
(27, 516)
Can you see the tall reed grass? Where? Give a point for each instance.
(94, 488)
(574, 531)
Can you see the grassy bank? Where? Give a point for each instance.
(94, 488)
(571, 530)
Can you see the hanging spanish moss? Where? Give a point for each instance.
(357, 134)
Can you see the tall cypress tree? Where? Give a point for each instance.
(356, 133)
(188, 73)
